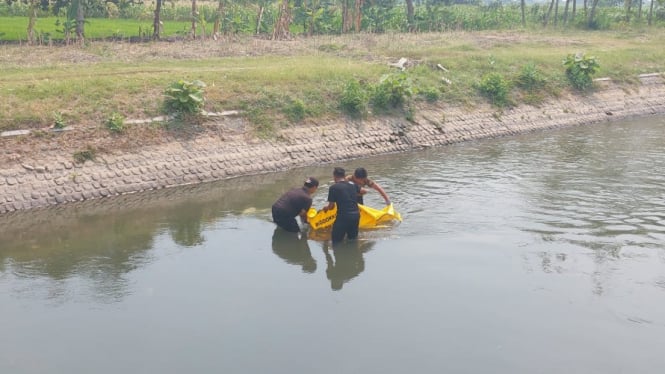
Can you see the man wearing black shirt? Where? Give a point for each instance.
(343, 194)
(295, 202)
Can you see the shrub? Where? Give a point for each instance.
(58, 121)
(354, 98)
(430, 94)
(495, 87)
(115, 122)
(184, 97)
(530, 78)
(392, 91)
(579, 70)
(295, 111)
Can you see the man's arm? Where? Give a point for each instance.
(383, 193)
(303, 216)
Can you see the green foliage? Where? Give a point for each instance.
(530, 78)
(579, 69)
(84, 155)
(392, 91)
(495, 87)
(115, 122)
(431, 94)
(184, 97)
(354, 98)
(58, 121)
(296, 110)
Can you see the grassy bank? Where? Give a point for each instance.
(270, 81)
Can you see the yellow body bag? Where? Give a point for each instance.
(370, 218)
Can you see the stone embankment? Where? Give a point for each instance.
(44, 180)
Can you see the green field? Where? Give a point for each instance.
(14, 28)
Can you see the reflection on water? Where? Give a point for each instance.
(102, 240)
(293, 249)
(345, 261)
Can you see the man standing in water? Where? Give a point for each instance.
(359, 177)
(295, 202)
(343, 194)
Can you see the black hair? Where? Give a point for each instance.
(339, 172)
(311, 182)
(360, 173)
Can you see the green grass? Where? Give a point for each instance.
(14, 28)
(284, 83)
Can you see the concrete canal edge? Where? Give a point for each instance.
(40, 180)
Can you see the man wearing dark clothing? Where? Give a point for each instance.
(295, 202)
(343, 194)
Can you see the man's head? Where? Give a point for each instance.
(360, 175)
(339, 172)
(311, 182)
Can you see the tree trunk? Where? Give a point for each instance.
(650, 12)
(410, 19)
(217, 27)
(281, 30)
(586, 8)
(548, 14)
(358, 15)
(522, 6)
(592, 14)
(156, 22)
(572, 16)
(346, 17)
(259, 19)
(80, 23)
(629, 6)
(565, 12)
(195, 16)
(32, 20)
(639, 10)
(556, 13)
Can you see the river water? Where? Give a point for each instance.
(541, 253)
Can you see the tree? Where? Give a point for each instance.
(410, 19)
(77, 7)
(156, 22)
(358, 14)
(565, 12)
(628, 5)
(346, 17)
(195, 17)
(590, 19)
(281, 29)
(220, 14)
(32, 19)
(548, 14)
